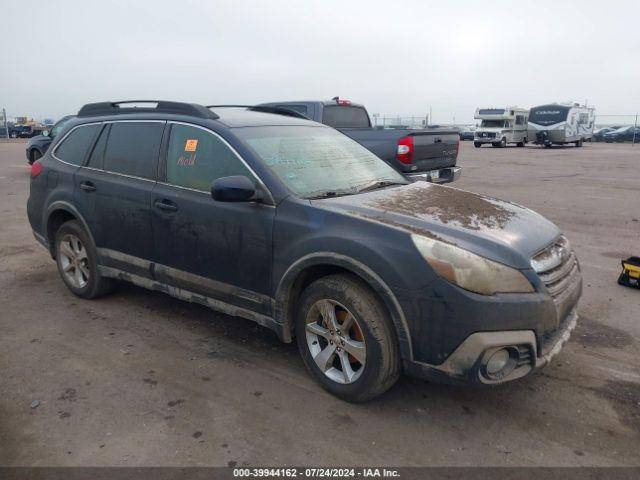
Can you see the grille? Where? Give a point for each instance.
(557, 267)
(487, 134)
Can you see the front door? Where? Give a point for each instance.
(219, 250)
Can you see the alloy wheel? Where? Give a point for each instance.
(335, 341)
(74, 260)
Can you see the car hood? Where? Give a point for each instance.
(39, 139)
(499, 230)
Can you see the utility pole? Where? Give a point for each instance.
(6, 125)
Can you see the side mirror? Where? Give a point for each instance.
(45, 133)
(233, 189)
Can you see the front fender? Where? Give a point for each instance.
(286, 284)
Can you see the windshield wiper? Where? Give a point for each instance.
(379, 184)
(330, 193)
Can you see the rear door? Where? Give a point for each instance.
(113, 193)
(220, 250)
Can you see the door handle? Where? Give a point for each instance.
(88, 187)
(166, 205)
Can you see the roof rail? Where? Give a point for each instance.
(155, 106)
(265, 109)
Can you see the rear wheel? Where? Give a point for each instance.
(78, 262)
(477, 144)
(579, 143)
(520, 144)
(346, 338)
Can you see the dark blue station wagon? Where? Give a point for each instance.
(260, 214)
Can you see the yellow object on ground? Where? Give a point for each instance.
(630, 276)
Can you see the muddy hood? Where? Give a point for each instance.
(499, 230)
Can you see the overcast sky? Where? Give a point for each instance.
(396, 57)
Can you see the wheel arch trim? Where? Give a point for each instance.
(284, 291)
(67, 207)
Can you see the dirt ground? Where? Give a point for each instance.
(138, 378)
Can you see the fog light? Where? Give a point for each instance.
(501, 363)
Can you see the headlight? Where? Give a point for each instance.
(470, 271)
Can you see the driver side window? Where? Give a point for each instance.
(196, 157)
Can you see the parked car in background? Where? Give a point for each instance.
(623, 134)
(598, 135)
(293, 225)
(38, 145)
(21, 131)
(466, 133)
(430, 154)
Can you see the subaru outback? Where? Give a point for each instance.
(260, 214)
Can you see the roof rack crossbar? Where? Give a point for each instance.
(265, 109)
(159, 106)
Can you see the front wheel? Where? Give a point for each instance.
(503, 142)
(77, 261)
(346, 338)
(34, 155)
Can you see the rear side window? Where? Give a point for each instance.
(195, 158)
(74, 147)
(132, 148)
(339, 116)
(96, 159)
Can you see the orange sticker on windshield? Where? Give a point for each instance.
(191, 146)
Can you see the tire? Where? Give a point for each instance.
(13, 135)
(477, 144)
(34, 155)
(495, 145)
(351, 301)
(503, 142)
(77, 262)
(520, 144)
(579, 143)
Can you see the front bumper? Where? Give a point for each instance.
(467, 363)
(487, 139)
(440, 175)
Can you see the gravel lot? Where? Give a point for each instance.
(138, 378)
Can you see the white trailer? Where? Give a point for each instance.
(500, 126)
(559, 124)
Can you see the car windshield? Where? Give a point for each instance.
(317, 161)
(58, 126)
(622, 130)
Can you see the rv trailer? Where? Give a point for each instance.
(559, 124)
(500, 126)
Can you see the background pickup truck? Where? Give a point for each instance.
(428, 153)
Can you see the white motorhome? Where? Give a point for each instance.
(500, 126)
(559, 124)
